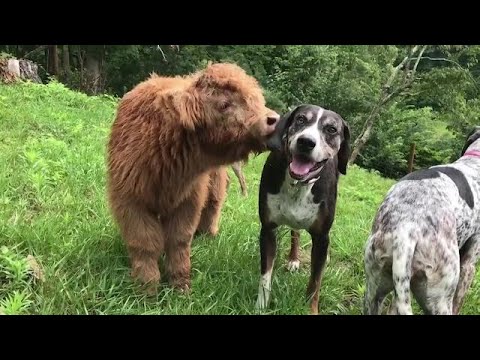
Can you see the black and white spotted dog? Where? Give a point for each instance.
(426, 237)
(298, 188)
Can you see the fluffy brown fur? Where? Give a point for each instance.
(169, 145)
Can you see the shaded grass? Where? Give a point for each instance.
(53, 206)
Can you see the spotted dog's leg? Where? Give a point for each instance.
(268, 250)
(379, 282)
(469, 255)
(293, 261)
(392, 310)
(439, 292)
(435, 287)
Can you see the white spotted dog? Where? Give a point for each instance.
(426, 238)
(298, 188)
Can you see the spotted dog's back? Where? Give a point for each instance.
(416, 235)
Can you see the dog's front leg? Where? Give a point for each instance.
(293, 260)
(268, 250)
(320, 244)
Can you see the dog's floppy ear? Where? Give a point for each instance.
(344, 152)
(276, 140)
(473, 136)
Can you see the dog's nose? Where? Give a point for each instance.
(305, 144)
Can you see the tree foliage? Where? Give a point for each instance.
(436, 109)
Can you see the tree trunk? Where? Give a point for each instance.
(411, 157)
(53, 60)
(66, 61)
(80, 64)
(365, 135)
(92, 65)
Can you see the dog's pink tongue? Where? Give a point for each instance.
(300, 166)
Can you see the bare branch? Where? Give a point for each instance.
(412, 51)
(455, 63)
(395, 71)
(442, 59)
(163, 54)
(41, 47)
(409, 75)
(386, 95)
(419, 58)
(402, 65)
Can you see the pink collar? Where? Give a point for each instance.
(472, 153)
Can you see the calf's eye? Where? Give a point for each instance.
(225, 105)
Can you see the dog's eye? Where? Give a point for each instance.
(301, 119)
(331, 130)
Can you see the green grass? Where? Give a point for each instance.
(53, 207)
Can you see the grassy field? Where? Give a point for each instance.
(60, 252)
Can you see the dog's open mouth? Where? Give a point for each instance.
(303, 168)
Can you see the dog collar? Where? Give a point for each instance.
(474, 153)
(295, 182)
(299, 182)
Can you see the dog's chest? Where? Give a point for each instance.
(293, 206)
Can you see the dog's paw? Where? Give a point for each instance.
(261, 303)
(262, 299)
(293, 265)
